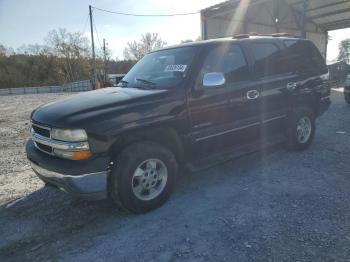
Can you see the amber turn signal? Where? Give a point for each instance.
(81, 155)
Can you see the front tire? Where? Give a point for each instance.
(143, 177)
(301, 129)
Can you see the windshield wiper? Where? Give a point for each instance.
(146, 81)
(122, 83)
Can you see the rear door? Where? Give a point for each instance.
(273, 78)
(223, 116)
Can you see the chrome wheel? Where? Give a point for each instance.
(149, 179)
(304, 131)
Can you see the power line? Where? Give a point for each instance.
(85, 24)
(98, 38)
(145, 15)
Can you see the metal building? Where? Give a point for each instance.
(311, 19)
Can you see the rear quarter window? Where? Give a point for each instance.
(304, 57)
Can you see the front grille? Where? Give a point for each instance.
(43, 131)
(45, 148)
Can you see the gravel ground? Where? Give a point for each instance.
(267, 206)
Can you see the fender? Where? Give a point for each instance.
(166, 136)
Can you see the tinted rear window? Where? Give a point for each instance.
(304, 57)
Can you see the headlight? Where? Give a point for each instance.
(69, 135)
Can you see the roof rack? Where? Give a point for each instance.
(257, 34)
(241, 36)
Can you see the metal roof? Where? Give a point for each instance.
(329, 15)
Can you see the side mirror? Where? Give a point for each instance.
(213, 79)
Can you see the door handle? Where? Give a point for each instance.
(252, 94)
(291, 86)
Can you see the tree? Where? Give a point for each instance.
(6, 51)
(148, 42)
(120, 67)
(3, 51)
(73, 48)
(34, 49)
(344, 51)
(190, 40)
(64, 58)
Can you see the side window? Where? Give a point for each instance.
(268, 59)
(227, 59)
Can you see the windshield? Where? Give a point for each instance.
(165, 69)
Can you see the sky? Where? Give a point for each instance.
(335, 37)
(29, 21)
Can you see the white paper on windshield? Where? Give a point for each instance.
(175, 68)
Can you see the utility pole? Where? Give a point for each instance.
(104, 59)
(93, 50)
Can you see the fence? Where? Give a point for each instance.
(79, 86)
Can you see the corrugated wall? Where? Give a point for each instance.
(260, 18)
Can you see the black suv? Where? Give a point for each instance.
(176, 107)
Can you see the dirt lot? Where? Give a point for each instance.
(268, 206)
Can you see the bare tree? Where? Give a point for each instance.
(6, 51)
(190, 40)
(34, 49)
(100, 53)
(3, 50)
(148, 42)
(344, 51)
(68, 44)
(72, 47)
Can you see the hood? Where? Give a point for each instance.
(81, 109)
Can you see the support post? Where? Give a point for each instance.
(204, 32)
(93, 51)
(276, 12)
(325, 49)
(104, 60)
(303, 18)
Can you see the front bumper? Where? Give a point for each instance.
(85, 179)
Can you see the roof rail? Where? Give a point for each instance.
(257, 34)
(280, 34)
(241, 36)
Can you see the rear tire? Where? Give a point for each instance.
(143, 177)
(301, 130)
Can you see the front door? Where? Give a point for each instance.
(225, 115)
